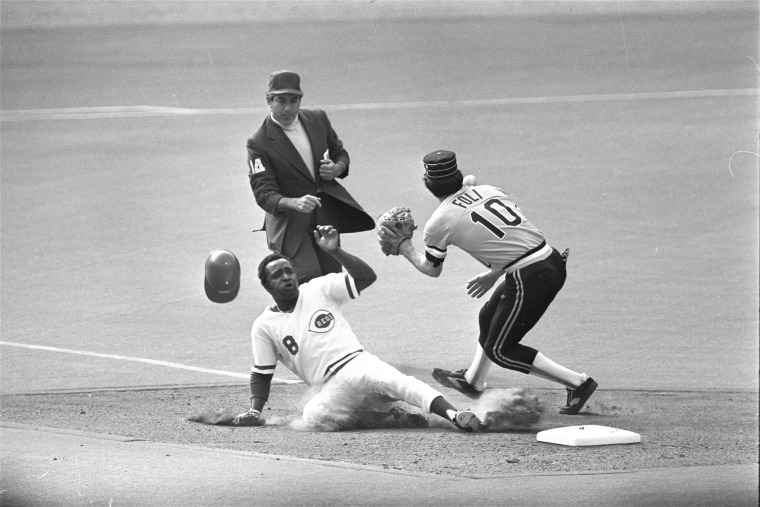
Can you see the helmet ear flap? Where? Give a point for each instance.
(222, 276)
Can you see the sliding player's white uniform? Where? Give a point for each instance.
(316, 343)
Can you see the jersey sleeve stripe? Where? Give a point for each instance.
(434, 258)
(351, 287)
(263, 369)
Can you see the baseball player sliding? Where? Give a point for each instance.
(306, 331)
(484, 222)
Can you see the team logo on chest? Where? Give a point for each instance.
(321, 322)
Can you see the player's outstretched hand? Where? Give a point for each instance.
(250, 418)
(482, 283)
(326, 237)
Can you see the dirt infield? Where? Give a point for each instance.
(678, 429)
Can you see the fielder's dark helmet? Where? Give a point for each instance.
(222, 279)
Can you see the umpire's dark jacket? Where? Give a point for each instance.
(276, 170)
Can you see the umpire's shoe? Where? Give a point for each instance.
(578, 397)
(456, 380)
(467, 420)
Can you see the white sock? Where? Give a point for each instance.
(478, 370)
(546, 368)
(538, 373)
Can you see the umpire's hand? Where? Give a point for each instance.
(305, 204)
(328, 170)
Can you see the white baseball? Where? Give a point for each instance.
(469, 180)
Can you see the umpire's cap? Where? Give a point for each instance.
(440, 164)
(222, 279)
(284, 81)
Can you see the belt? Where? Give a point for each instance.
(541, 252)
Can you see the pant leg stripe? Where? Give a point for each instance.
(517, 365)
(512, 316)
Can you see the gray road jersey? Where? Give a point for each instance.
(485, 223)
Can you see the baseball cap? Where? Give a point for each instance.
(440, 164)
(285, 81)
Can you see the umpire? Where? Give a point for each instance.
(294, 160)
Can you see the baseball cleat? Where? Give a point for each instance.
(456, 380)
(578, 397)
(467, 420)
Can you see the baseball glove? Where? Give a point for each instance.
(398, 221)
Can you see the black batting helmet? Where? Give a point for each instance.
(222, 278)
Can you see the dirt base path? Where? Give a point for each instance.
(678, 429)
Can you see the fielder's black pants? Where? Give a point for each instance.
(515, 307)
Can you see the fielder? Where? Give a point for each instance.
(306, 331)
(485, 223)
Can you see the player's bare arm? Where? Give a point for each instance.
(418, 259)
(260, 385)
(328, 240)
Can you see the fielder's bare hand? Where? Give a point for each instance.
(329, 170)
(482, 283)
(327, 238)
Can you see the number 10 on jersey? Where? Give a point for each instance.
(498, 213)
